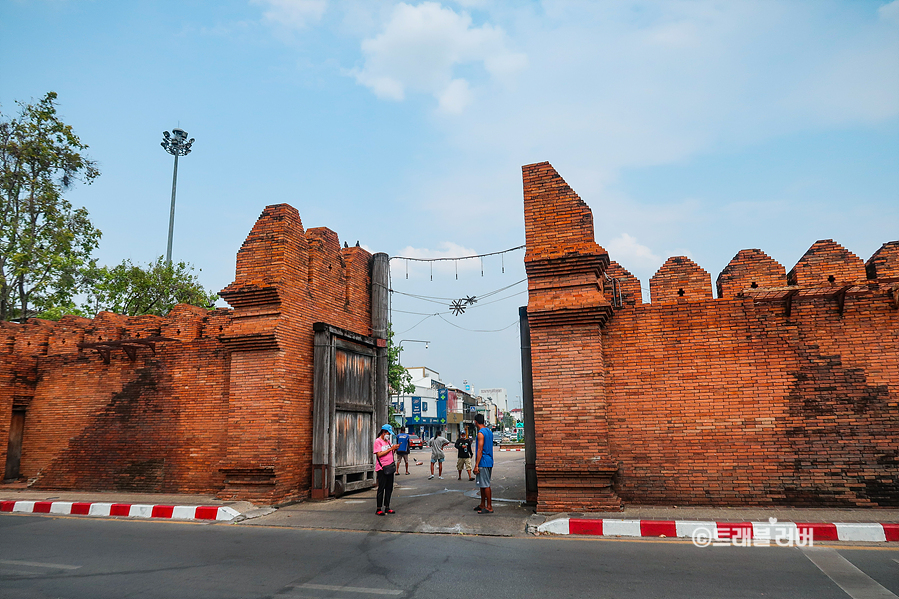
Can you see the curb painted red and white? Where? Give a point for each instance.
(513, 449)
(835, 531)
(130, 510)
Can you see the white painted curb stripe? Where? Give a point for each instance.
(621, 528)
(779, 530)
(24, 506)
(559, 526)
(61, 507)
(686, 528)
(99, 509)
(227, 513)
(140, 511)
(183, 512)
(860, 532)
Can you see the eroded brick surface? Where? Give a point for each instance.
(773, 395)
(884, 264)
(680, 279)
(750, 269)
(827, 263)
(222, 400)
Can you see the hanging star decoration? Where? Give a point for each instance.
(458, 306)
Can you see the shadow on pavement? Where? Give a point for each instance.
(422, 505)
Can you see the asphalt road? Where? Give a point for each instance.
(42, 557)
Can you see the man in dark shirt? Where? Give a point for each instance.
(463, 444)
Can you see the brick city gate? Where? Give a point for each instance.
(198, 401)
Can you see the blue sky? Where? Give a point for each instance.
(697, 128)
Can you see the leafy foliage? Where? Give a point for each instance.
(155, 289)
(399, 380)
(45, 245)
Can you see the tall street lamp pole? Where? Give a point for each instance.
(176, 144)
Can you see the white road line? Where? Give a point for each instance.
(329, 587)
(853, 581)
(38, 565)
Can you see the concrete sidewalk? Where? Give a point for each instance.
(422, 505)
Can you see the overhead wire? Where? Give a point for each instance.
(436, 299)
(456, 258)
(475, 330)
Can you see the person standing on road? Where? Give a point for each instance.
(437, 456)
(483, 465)
(402, 452)
(463, 445)
(385, 468)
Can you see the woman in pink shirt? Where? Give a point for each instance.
(384, 468)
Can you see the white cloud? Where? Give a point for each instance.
(420, 48)
(455, 97)
(293, 14)
(625, 250)
(618, 85)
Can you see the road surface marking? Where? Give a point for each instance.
(853, 581)
(329, 587)
(38, 564)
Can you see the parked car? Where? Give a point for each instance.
(415, 442)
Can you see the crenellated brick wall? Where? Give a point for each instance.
(782, 391)
(198, 401)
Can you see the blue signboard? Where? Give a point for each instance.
(416, 410)
(441, 411)
(442, 394)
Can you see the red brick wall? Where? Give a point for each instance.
(680, 279)
(224, 405)
(884, 264)
(775, 394)
(750, 269)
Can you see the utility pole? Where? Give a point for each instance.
(176, 144)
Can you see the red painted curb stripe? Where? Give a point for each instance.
(820, 531)
(207, 513)
(162, 511)
(41, 507)
(584, 527)
(81, 509)
(120, 509)
(891, 531)
(658, 528)
(7, 506)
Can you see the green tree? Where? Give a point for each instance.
(155, 289)
(45, 245)
(399, 380)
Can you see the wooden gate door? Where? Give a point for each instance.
(14, 449)
(344, 411)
